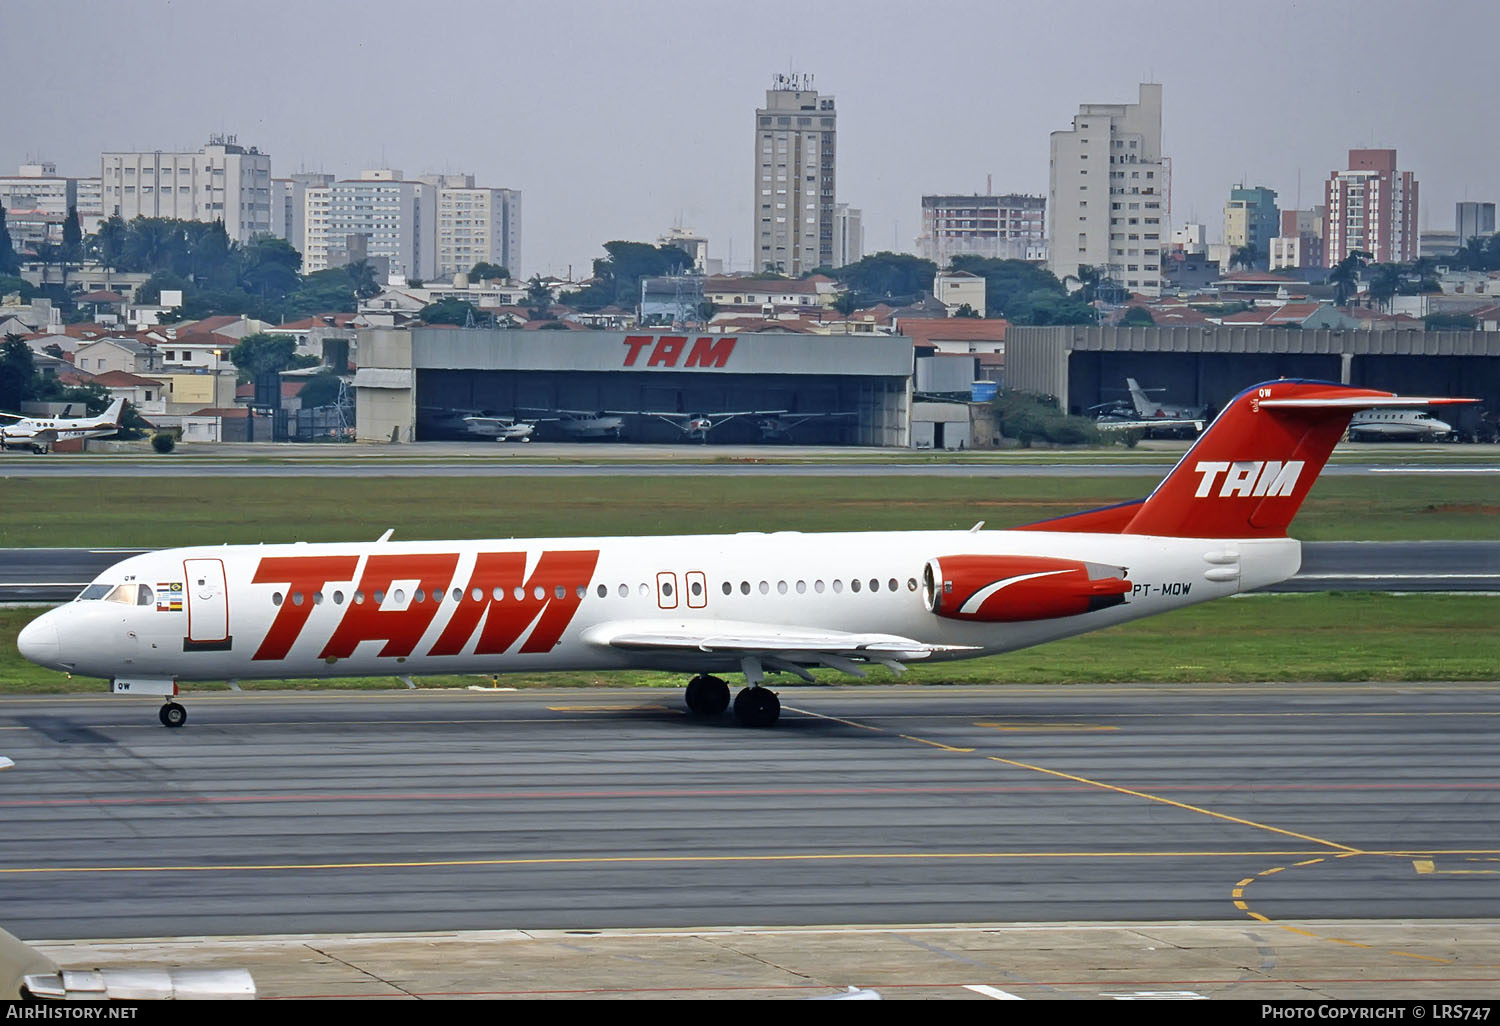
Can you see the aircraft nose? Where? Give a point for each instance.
(38, 642)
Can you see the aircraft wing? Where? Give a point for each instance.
(776, 646)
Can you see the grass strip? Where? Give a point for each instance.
(147, 513)
(1353, 636)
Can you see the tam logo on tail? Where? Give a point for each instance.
(1248, 477)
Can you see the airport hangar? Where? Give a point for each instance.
(1085, 366)
(868, 378)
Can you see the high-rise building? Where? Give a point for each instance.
(223, 181)
(795, 151)
(848, 235)
(397, 219)
(1300, 241)
(475, 224)
(1108, 193)
(1471, 219)
(317, 204)
(1251, 218)
(36, 201)
(996, 227)
(289, 206)
(1372, 208)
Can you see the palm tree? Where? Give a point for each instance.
(1384, 283)
(1345, 276)
(362, 277)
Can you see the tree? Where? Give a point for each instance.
(1448, 322)
(362, 279)
(617, 277)
(887, 275)
(1027, 294)
(965, 310)
(17, 371)
(449, 311)
(1384, 283)
(322, 389)
(110, 241)
(9, 262)
(1244, 258)
(486, 271)
(1088, 283)
(1138, 315)
(265, 353)
(72, 242)
(1345, 276)
(538, 296)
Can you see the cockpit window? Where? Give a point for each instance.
(93, 593)
(144, 595)
(124, 594)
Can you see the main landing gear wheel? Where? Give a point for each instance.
(707, 696)
(757, 707)
(172, 715)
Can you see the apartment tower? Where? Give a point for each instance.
(223, 181)
(1372, 208)
(795, 150)
(1108, 193)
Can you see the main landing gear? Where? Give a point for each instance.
(172, 715)
(754, 706)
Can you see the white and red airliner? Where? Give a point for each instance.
(713, 604)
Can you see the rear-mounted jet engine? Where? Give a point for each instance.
(1006, 589)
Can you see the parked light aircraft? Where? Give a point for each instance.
(1148, 408)
(441, 422)
(714, 604)
(1397, 425)
(1143, 413)
(578, 424)
(779, 427)
(698, 425)
(502, 429)
(40, 433)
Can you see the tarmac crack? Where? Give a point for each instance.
(715, 942)
(363, 971)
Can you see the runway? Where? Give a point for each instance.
(56, 575)
(1257, 808)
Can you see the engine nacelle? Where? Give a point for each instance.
(1006, 589)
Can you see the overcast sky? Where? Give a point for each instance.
(619, 120)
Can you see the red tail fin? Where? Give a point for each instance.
(1247, 475)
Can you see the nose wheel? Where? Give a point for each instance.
(172, 715)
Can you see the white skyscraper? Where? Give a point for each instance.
(795, 151)
(848, 235)
(221, 182)
(289, 206)
(1108, 197)
(475, 224)
(397, 219)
